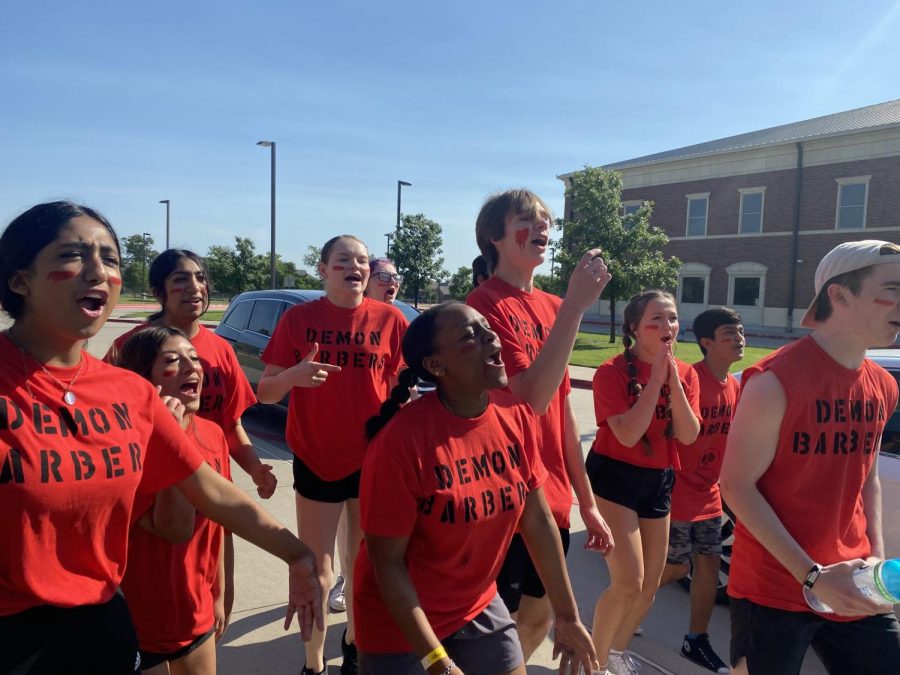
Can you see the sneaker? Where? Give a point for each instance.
(701, 652)
(336, 601)
(310, 671)
(623, 664)
(350, 665)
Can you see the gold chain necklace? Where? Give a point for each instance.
(68, 394)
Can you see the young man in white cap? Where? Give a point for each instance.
(801, 475)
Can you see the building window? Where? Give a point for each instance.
(747, 291)
(851, 202)
(693, 283)
(752, 204)
(631, 206)
(697, 208)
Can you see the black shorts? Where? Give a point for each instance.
(309, 485)
(153, 659)
(518, 575)
(774, 641)
(648, 492)
(87, 639)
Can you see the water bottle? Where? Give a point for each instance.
(880, 581)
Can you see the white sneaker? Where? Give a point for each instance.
(623, 664)
(336, 601)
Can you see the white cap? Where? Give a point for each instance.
(848, 257)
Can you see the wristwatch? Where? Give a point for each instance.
(812, 575)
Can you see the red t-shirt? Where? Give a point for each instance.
(68, 477)
(169, 587)
(611, 398)
(523, 321)
(326, 424)
(456, 487)
(696, 494)
(226, 392)
(827, 445)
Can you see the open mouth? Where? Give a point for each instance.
(353, 278)
(540, 241)
(92, 303)
(666, 338)
(494, 359)
(191, 389)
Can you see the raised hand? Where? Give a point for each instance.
(588, 280)
(175, 406)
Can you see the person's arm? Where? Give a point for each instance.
(171, 518)
(241, 449)
(571, 639)
(388, 555)
(871, 496)
(228, 505)
(599, 535)
(685, 425)
(630, 426)
(276, 381)
(538, 384)
(220, 619)
(752, 442)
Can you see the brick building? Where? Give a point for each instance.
(751, 215)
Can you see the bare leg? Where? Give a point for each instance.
(704, 585)
(654, 547)
(674, 573)
(161, 669)
(533, 622)
(228, 599)
(351, 549)
(346, 571)
(740, 668)
(626, 572)
(201, 661)
(317, 526)
(518, 671)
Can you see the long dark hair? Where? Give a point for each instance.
(28, 234)
(418, 345)
(160, 269)
(631, 316)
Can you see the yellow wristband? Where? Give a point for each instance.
(433, 657)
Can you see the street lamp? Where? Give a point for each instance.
(271, 144)
(166, 202)
(400, 184)
(145, 236)
(388, 252)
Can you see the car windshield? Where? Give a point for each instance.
(890, 441)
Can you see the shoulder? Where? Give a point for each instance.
(118, 379)
(886, 380)
(383, 309)
(505, 403)
(611, 366)
(208, 339)
(123, 338)
(209, 430)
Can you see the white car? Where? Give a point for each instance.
(889, 460)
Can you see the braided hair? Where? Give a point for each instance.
(418, 344)
(631, 316)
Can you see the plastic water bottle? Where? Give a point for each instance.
(880, 581)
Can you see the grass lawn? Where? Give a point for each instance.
(592, 349)
(211, 315)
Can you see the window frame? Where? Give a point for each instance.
(851, 180)
(762, 208)
(696, 196)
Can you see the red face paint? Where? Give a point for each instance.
(114, 281)
(176, 290)
(338, 268)
(883, 303)
(170, 372)
(651, 326)
(522, 236)
(61, 275)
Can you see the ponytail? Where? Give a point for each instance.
(399, 395)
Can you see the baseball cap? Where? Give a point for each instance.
(848, 257)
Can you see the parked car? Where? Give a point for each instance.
(888, 472)
(251, 318)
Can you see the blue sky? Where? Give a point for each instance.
(119, 105)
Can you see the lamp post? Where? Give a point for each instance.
(388, 251)
(166, 202)
(145, 236)
(400, 184)
(271, 144)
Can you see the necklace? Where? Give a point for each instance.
(68, 394)
(452, 411)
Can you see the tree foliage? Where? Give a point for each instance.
(312, 257)
(233, 270)
(461, 283)
(632, 249)
(416, 249)
(137, 254)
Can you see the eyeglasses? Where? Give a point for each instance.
(387, 277)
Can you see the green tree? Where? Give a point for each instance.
(632, 249)
(461, 283)
(416, 249)
(312, 257)
(137, 254)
